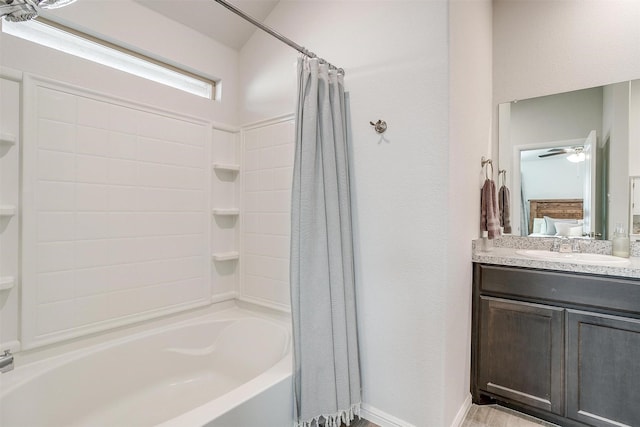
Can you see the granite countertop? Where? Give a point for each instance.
(504, 251)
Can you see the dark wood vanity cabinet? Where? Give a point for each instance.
(522, 352)
(561, 346)
(603, 369)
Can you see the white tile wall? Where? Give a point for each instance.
(116, 214)
(266, 198)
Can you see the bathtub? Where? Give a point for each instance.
(226, 369)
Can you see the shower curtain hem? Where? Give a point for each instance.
(334, 420)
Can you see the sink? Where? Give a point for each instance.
(577, 258)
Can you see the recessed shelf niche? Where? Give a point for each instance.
(7, 282)
(7, 210)
(225, 197)
(226, 211)
(7, 139)
(226, 167)
(225, 256)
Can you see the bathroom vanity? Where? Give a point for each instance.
(560, 345)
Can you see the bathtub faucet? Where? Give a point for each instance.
(6, 361)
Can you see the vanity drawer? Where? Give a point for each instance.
(608, 293)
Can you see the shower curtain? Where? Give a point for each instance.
(326, 366)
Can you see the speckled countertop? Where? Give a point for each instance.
(503, 251)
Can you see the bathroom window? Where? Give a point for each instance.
(82, 45)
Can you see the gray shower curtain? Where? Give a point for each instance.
(326, 366)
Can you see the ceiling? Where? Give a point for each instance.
(213, 19)
(532, 155)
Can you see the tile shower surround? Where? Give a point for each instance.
(117, 218)
(266, 205)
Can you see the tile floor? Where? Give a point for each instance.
(363, 423)
(486, 416)
(498, 416)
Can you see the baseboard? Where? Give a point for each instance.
(383, 419)
(462, 412)
(380, 418)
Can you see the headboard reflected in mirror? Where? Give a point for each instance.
(554, 209)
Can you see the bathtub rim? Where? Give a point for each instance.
(207, 412)
(28, 370)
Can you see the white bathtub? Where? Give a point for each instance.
(227, 369)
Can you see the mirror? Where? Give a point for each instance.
(570, 157)
(635, 207)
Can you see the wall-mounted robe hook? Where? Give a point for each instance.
(380, 126)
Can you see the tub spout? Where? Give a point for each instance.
(6, 361)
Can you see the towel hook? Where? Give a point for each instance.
(503, 173)
(380, 126)
(484, 163)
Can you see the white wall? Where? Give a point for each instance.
(543, 47)
(395, 57)
(413, 317)
(470, 48)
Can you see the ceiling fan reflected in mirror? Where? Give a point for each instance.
(575, 154)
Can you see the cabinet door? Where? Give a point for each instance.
(603, 369)
(522, 353)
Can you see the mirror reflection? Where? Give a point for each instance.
(570, 158)
(635, 207)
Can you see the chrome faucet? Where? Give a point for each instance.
(6, 361)
(575, 245)
(565, 245)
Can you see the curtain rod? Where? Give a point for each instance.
(280, 37)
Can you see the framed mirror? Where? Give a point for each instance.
(569, 158)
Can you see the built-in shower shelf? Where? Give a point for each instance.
(226, 212)
(7, 282)
(225, 256)
(226, 167)
(7, 139)
(7, 210)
